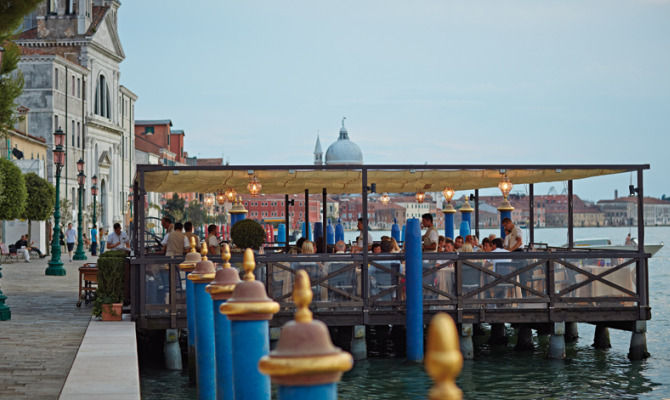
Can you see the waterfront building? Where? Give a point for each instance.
(342, 152)
(622, 211)
(70, 60)
(270, 206)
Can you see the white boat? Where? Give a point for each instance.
(606, 244)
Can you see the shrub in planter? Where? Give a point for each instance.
(110, 280)
(247, 233)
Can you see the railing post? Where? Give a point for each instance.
(549, 273)
(221, 289)
(305, 363)
(204, 327)
(249, 310)
(414, 274)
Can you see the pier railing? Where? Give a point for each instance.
(542, 286)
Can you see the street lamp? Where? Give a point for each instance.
(80, 254)
(94, 192)
(55, 264)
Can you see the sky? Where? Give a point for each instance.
(426, 81)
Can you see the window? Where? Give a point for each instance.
(78, 134)
(79, 88)
(55, 122)
(72, 133)
(103, 106)
(149, 130)
(56, 78)
(53, 7)
(73, 92)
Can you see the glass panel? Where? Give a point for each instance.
(624, 277)
(439, 275)
(383, 282)
(157, 284)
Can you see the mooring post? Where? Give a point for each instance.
(203, 274)
(305, 364)
(449, 212)
(220, 290)
(443, 360)
(249, 309)
(414, 274)
(466, 218)
(190, 261)
(638, 341)
(359, 346)
(467, 347)
(557, 342)
(571, 332)
(395, 230)
(601, 337)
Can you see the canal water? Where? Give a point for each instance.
(502, 373)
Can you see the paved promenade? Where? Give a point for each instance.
(38, 345)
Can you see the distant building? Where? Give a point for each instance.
(622, 211)
(342, 152)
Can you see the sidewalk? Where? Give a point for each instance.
(39, 343)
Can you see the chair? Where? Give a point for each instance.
(13, 253)
(381, 280)
(470, 278)
(4, 252)
(345, 281)
(505, 268)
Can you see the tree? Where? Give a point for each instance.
(41, 199)
(14, 194)
(11, 81)
(196, 213)
(65, 211)
(175, 208)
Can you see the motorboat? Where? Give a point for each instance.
(606, 244)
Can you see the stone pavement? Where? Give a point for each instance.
(39, 343)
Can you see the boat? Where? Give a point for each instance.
(606, 244)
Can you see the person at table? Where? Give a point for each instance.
(449, 245)
(23, 247)
(629, 240)
(376, 248)
(514, 239)
(440, 244)
(396, 248)
(175, 242)
(118, 240)
(166, 223)
(358, 247)
(486, 245)
(340, 247)
(213, 240)
(307, 247)
(188, 232)
(458, 243)
(70, 238)
(431, 237)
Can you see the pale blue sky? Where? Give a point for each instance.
(419, 81)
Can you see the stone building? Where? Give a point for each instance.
(71, 54)
(342, 152)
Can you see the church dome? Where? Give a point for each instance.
(344, 151)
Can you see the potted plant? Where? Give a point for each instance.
(247, 234)
(109, 294)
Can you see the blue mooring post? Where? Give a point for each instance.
(330, 234)
(281, 234)
(318, 231)
(449, 212)
(402, 233)
(395, 231)
(203, 274)
(339, 231)
(305, 363)
(192, 258)
(249, 310)
(221, 289)
(237, 212)
(505, 212)
(414, 274)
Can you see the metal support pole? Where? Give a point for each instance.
(55, 264)
(364, 267)
(531, 213)
(286, 217)
(477, 213)
(640, 212)
(571, 210)
(190, 325)
(325, 221)
(307, 230)
(414, 274)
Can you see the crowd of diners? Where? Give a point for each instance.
(177, 241)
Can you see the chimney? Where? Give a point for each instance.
(616, 194)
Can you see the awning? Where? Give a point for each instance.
(392, 179)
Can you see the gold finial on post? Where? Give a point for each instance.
(225, 254)
(302, 296)
(193, 244)
(203, 250)
(443, 358)
(249, 264)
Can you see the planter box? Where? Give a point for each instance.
(112, 312)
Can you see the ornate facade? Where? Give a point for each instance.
(71, 54)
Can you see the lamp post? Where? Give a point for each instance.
(94, 192)
(55, 264)
(80, 254)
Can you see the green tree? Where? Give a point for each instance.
(40, 202)
(175, 208)
(14, 194)
(196, 213)
(11, 80)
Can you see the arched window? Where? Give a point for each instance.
(103, 106)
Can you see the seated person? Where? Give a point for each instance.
(340, 247)
(449, 245)
(458, 242)
(118, 240)
(386, 246)
(308, 247)
(376, 248)
(440, 243)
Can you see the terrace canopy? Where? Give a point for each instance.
(348, 179)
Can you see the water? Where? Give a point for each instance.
(505, 374)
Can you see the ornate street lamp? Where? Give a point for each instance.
(94, 192)
(230, 194)
(505, 187)
(254, 186)
(420, 197)
(448, 193)
(220, 198)
(55, 264)
(80, 254)
(209, 201)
